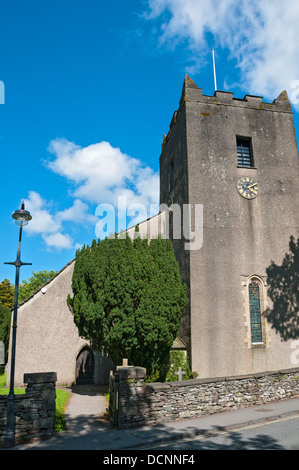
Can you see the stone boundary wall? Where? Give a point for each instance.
(34, 411)
(140, 403)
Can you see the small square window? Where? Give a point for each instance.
(244, 152)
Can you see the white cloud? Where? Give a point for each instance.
(78, 213)
(42, 221)
(261, 35)
(50, 225)
(58, 241)
(101, 173)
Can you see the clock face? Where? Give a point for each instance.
(247, 187)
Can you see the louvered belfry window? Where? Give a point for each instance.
(244, 153)
(255, 312)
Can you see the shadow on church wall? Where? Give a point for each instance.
(283, 290)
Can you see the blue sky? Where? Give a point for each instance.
(90, 89)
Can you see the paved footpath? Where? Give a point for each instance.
(89, 430)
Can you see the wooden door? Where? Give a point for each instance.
(85, 367)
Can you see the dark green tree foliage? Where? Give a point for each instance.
(7, 293)
(283, 290)
(128, 299)
(5, 319)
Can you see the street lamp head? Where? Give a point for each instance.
(22, 216)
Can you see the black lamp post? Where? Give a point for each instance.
(22, 218)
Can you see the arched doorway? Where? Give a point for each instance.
(85, 367)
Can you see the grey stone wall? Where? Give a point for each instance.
(141, 403)
(34, 411)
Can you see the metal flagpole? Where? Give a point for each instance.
(214, 67)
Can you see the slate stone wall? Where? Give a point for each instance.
(141, 403)
(34, 411)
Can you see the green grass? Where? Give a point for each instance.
(62, 398)
(5, 390)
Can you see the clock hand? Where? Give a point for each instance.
(251, 186)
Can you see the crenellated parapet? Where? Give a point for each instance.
(193, 94)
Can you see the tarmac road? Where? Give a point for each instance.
(276, 434)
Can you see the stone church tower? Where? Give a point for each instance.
(238, 158)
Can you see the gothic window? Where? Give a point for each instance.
(255, 311)
(244, 152)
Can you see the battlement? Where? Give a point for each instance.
(191, 92)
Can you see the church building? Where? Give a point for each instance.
(234, 163)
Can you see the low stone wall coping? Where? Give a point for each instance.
(186, 383)
(127, 373)
(40, 377)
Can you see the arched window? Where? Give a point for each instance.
(254, 290)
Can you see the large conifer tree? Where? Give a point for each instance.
(128, 299)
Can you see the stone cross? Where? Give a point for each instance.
(2, 353)
(180, 374)
(124, 364)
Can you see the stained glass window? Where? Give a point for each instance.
(255, 312)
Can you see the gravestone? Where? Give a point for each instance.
(180, 374)
(2, 357)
